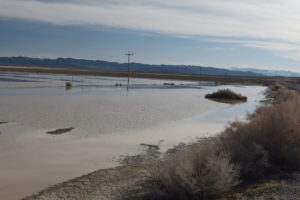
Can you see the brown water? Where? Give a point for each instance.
(108, 121)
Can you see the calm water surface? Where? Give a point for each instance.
(108, 121)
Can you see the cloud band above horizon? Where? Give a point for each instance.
(271, 25)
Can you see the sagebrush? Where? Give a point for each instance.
(269, 140)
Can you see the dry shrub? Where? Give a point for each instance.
(68, 84)
(226, 94)
(199, 171)
(279, 93)
(270, 137)
(252, 158)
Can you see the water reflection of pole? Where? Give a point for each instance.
(128, 54)
(127, 89)
(200, 72)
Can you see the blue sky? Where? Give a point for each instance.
(220, 33)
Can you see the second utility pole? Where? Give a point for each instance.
(129, 54)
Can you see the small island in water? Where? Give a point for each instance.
(226, 96)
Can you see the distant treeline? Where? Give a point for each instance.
(115, 66)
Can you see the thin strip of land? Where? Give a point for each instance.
(219, 79)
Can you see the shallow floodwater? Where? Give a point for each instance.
(108, 121)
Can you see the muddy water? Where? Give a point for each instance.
(108, 121)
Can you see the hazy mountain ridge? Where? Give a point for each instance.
(115, 66)
(284, 73)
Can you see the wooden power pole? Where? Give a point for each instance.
(129, 54)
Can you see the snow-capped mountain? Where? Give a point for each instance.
(268, 72)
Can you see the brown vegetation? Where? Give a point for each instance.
(68, 84)
(270, 138)
(226, 94)
(118, 84)
(197, 172)
(277, 93)
(269, 141)
(171, 84)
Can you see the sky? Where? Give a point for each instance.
(263, 34)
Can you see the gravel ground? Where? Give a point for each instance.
(123, 182)
(107, 184)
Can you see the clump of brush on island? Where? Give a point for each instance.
(226, 95)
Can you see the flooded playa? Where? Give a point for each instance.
(104, 121)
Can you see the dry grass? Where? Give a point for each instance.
(171, 84)
(226, 94)
(68, 84)
(118, 84)
(278, 94)
(268, 141)
(256, 191)
(197, 172)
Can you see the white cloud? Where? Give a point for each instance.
(279, 48)
(271, 24)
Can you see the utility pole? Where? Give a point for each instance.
(129, 54)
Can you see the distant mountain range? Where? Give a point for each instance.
(269, 72)
(134, 67)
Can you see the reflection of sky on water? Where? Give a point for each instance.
(108, 121)
(58, 80)
(35, 84)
